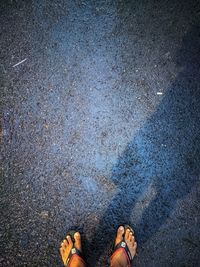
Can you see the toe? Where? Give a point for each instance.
(131, 237)
(119, 236)
(127, 233)
(61, 251)
(63, 247)
(120, 232)
(135, 246)
(64, 243)
(77, 238)
(69, 240)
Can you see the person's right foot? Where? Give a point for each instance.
(119, 258)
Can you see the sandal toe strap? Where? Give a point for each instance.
(123, 245)
(74, 251)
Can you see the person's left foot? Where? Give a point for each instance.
(67, 245)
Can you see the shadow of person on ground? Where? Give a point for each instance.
(163, 159)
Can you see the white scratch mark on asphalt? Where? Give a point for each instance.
(159, 93)
(19, 62)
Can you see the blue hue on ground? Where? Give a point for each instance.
(100, 127)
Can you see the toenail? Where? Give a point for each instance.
(121, 228)
(76, 234)
(68, 237)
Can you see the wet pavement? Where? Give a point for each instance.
(100, 126)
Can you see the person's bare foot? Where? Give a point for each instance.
(66, 247)
(119, 258)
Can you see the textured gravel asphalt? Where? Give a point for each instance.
(100, 126)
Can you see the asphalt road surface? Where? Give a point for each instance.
(100, 126)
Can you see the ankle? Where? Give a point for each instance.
(77, 262)
(119, 260)
(118, 263)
